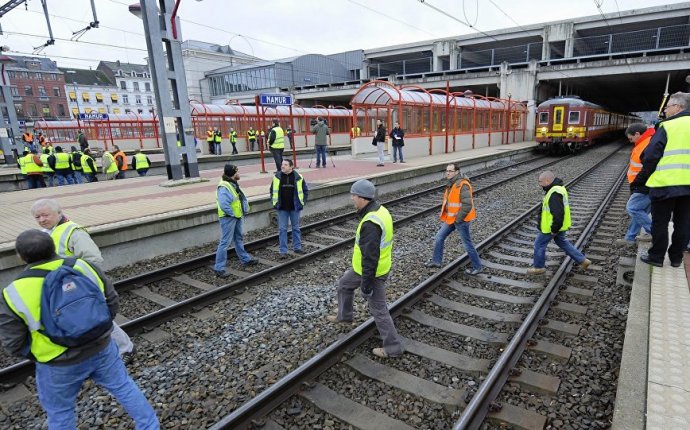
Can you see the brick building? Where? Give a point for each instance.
(38, 89)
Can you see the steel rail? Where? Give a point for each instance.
(289, 384)
(17, 372)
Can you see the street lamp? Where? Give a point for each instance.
(76, 95)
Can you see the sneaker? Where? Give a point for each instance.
(379, 165)
(128, 357)
(283, 257)
(334, 319)
(676, 263)
(622, 243)
(299, 251)
(251, 263)
(222, 274)
(646, 237)
(432, 264)
(474, 272)
(585, 264)
(380, 352)
(536, 270)
(645, 259)
(395, 161)
(401, 161)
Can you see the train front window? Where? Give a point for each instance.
(543, 117)
(574, 118)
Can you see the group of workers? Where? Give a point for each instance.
(659, 178)
(255, 139)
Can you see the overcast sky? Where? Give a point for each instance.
(273, 29)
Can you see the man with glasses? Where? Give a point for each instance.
(667, 158)
(456, 213)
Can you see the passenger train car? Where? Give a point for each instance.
(569, 124)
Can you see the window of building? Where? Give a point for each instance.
(45, 109)
(39, 76)
(147, 86)
(128, 111)
(85, 97)
(116, 110)
(28, 90)
(101, 110)
(136, 86)
(113, 98)
(137, 99)
(75, 112)
(574, 118)
(123, 85)
(149, 100)
(140, 110)
(88, 110)
(19, 108)
(56, 92)
(72, 96)
(42, 92)
(11, 74)
(61, 110)
(32, 110)
(99, 98)
(14, 91)
(24, 75)
(125, 99)
(543, 117)
(52, 76)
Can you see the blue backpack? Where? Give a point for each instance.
(74, 311)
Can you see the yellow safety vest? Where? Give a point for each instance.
(61, 160)
(217, 138)
(113, 165)
(251, 135)
(673, 168)
(46, 166)
(72, 156)
(547, 218)
(276, 190)
(209, 136)
(22, 164)
(85, 163)
(61, 235)
(29, 165)
(236, 204)
(383, 219)
(279, 143)
(142, 162)
(23, 296)
(233, 136)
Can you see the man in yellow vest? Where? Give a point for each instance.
(61, 371)
(217, 142)
(34, 170)
(289, 193)
(210, 139)
(457, 212)
(109, 166)
(88, 166)
(276, 143)
(72, 240)
(232, 135)
(554, 222)
(639, 206)
(232, 207)
(61, 163)
(251, 138)
(141, 162)
(371, 263)
(48, 172)
(667, 157)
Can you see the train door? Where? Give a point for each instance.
(558, 115)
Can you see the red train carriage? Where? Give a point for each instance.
(569, 124)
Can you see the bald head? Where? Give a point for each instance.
(546, 178)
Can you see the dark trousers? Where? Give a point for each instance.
(662, 210)
(277, 157)
(211, 147)
(35, 181)
(234, 147)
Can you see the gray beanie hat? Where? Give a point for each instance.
(363, 188)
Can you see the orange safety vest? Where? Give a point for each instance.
(121, 155)
(28, 137)
(452, 202)
(635, 160)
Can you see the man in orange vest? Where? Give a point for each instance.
(639, 205)
(121, 160)
(456, 213)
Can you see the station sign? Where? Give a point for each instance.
(275, 100)
(22, 124)
(93, 116)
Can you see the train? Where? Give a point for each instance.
(569, 124)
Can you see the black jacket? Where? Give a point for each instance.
(369, 243)
(650, 158)
(400, 133)
(381, 133)
(556, 207)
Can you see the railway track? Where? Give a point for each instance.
(476, 329)
(153, 298)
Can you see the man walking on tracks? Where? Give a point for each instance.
(554, 222)
(371, 263)
(232, 207)
(61, 370)
(667, 157)
(457, 212)
(289, 193)
(639, 205)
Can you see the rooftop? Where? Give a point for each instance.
(87, 77)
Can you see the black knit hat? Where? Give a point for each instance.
(230, 170)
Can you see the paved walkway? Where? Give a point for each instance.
(97, 205)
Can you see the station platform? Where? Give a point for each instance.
(126, 216)
(654, 379)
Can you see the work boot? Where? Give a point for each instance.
(624, 243)
(536, 270)
(646, 237)
(585, 264)
(334, 319)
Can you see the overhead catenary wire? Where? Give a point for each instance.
(466, 24)
(385, 15)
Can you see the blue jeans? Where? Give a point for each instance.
(216, 148)
(397, 153)
(78, 177)
(463, 229)
(320, 155)
(58, 387)
(230, 231)
(543, 240)
(65, 179)
(35, 181)
(142, 172)
(49, 178)
(639, 207)
(283, 218)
